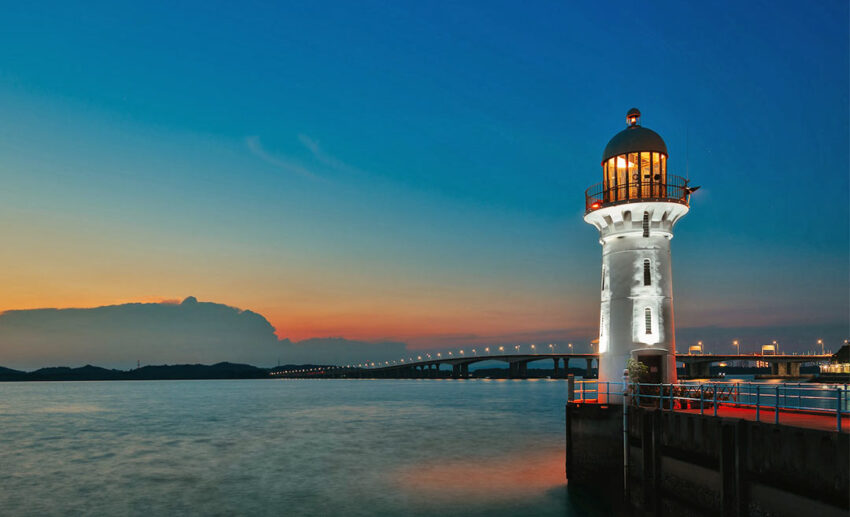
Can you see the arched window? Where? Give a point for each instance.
(648, 314)
(646, 224)
(647, 275)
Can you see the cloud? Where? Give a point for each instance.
(153, 333)
(191, 332)
(285, 164)
(325, 158)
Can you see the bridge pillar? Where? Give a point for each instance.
(785, 369)
(794, 369)
(455, 371)
(513, 371)
(464, 371)
(555, 369)
(523, 370)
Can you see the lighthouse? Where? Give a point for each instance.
(635, 208)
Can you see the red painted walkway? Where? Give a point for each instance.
(825, 422)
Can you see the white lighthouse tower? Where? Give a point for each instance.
(634, 209)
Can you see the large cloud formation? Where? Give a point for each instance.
(157, 333)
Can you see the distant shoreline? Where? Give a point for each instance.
(145, 373)
(225, 370)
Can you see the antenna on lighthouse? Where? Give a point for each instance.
(687, 151)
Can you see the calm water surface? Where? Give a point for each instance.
(285, 447)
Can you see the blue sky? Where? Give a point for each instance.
(415, 171)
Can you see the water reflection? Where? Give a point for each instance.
(310, 447)
(518, 475)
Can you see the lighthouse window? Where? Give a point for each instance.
(648, 314)
(647, 276)
(646, 224)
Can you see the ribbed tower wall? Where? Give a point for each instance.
(636, 310)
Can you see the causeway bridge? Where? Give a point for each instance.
(696, 365)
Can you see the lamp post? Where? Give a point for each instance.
(820, 342)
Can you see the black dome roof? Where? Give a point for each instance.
(633, 139)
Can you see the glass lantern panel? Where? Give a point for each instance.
(645, 175)
(611, 177)
(622, 177)
(658, 184)
(634, 176)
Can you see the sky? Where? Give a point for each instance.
(414, 172)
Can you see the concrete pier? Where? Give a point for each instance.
(690, 464)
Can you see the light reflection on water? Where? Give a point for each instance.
(308, 447)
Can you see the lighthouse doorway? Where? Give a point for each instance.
(655, 365)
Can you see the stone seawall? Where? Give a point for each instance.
(690, 464)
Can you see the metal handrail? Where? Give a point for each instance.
(675, 190)
(831, 400)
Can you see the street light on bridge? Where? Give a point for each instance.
(820, 342)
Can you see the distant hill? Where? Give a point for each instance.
(162, 372)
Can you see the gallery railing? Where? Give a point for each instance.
(674, 189)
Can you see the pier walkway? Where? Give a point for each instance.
(792, 417)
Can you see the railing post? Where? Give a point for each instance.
(671, 396)
(758, 401)
(607, 392)
(582, 390)
(715, 400)
(776, 415)
(737, 393)
(838, 392)
(701, 397)
(638, 393)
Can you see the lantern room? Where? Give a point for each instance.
(634, 168)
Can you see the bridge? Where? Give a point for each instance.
(696, 365)
(782, 365)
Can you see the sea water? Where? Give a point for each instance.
(286, 447)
